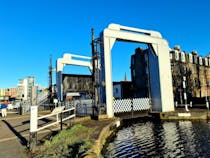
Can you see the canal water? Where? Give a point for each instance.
(161, 139)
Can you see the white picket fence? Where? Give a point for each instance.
(127, 105)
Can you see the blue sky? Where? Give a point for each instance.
(31, 30)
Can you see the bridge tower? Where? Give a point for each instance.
(160, 68)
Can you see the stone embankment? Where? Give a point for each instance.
(104, 127)
(197, 114)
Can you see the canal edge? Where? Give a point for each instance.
(109, 131)
(106, 133)
(184, 115)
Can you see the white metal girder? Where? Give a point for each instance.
(69, 59)
(162, 88)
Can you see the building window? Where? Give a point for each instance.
(184, 70)
(190, 58)
(195, 82)
(195, 59)
(194, 70)
(176, 55)
(132, 61)
(200, 61)
(206, 62)
(183, 57)
(171, 55)
(134, 74)
(116, 90)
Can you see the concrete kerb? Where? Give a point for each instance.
(185, 115)
(106, 132)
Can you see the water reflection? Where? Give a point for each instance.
(162, 139)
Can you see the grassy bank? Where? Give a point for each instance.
(84, 139)
(67, 143)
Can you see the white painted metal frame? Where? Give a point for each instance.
(34, 118)
(164, 100)
(69, 59)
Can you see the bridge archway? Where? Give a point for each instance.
(69, 59)
(160, 69)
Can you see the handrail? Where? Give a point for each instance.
(34, 118)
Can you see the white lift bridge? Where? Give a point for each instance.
(159, 65)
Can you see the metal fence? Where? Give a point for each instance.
(58, 120)
(42, 97)
(25, 107)
(19, 108)
(127, 105)
(83, 107)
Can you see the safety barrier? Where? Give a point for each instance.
(58, 111)
(83, 107)
(128, 105)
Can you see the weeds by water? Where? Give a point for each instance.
(67, 144)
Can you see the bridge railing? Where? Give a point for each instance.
(132, 104)
(34, 119)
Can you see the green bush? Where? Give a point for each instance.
(68, 143)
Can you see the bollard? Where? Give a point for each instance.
(207, 105)
(186, 107)
(61, 121)
(33, 127)
(191, 104)
(57, 118)
(21, 110)
(176, 104)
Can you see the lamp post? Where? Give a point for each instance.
(207, 103)
(206, 88)
(185, 94)
(95, 73)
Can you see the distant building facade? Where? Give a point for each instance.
(25, 88)
(139, 73)
(123, 90)
(190, 68)
(8, 92)
(3, 91)
(195, 69)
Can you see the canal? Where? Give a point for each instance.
(161, 139)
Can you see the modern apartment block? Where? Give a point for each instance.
(25, 88)
(190, 75)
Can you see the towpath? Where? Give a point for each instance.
(14, 135)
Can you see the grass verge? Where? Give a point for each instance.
(73, 142)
